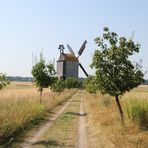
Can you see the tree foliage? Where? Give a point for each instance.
(115, 74)
(90, 84)
(3, 81)
(43, 74)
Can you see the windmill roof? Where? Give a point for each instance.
(67, 57)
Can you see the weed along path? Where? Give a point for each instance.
(30, 141)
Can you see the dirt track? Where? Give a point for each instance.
(43, 137)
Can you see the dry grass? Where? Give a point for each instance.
(104, 126)
(19, 106)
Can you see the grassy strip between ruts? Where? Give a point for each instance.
(18, 116)
(64, 132)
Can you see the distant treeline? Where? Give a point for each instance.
(30, 79)
(27, 79)
(19, 78)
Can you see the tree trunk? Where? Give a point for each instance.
(120, 109)
(41, 96)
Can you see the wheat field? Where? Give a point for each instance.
(20, 106)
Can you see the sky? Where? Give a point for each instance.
(29, 26)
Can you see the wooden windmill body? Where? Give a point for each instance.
(68, 64)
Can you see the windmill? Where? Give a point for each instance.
(68, 63)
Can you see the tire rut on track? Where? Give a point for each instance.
(82, 140)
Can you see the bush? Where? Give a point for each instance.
(137, 110)
(72, 82)
(58, 85)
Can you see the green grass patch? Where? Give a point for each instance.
(137, 110)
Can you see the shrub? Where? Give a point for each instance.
(72, 82)
(58, 85)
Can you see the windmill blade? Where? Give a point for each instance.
(70, 49)
(82, 48)
(83, 69)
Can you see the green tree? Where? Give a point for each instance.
(3, 81)
(115, 74)
(43, 74)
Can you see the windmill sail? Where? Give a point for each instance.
(83, 70)
(82, 48)
(70, 49)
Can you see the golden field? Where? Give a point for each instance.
(19, 106)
